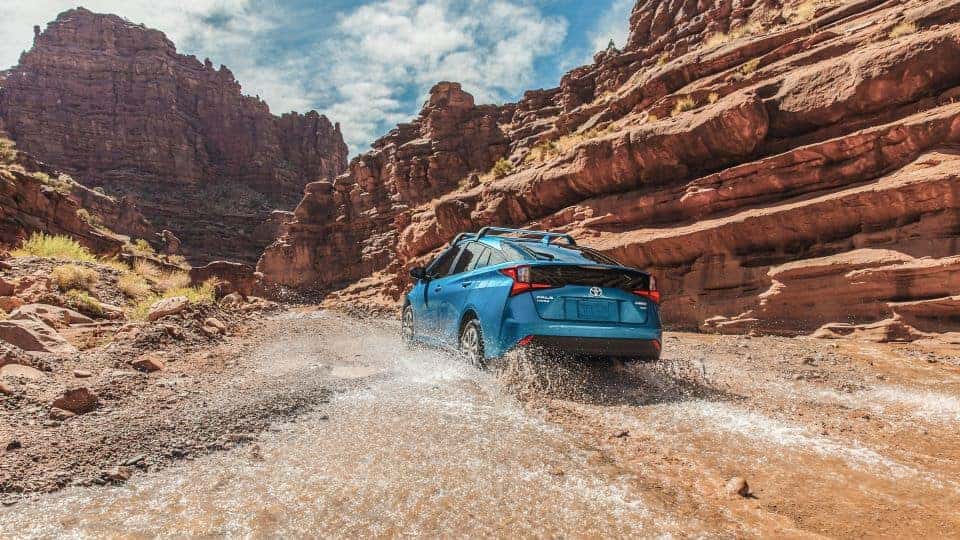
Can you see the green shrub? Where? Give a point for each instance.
(84, 303)
(53, 247)
(501, 168)
(202, 294)
(73, 276)
(142, 247)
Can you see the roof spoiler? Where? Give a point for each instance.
(527, 235)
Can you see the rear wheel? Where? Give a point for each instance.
(471, 342)
(406, 326)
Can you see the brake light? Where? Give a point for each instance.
(521, 280)
(652, 294)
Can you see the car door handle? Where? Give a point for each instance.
(466, 284)
(437, 289)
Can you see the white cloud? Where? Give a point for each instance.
(386, 51)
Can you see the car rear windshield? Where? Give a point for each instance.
(572, 254)
(590, 276)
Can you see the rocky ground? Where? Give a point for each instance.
(740, 436)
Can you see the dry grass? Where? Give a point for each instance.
(804, 12)
(542, 152)
(74, 276)
(715, 40)
(8, 150)
(3, 315)
(53, 247)
(116, 264)
(141, 248)
(683, 104)
(750, 66)
(713, 97)
(84, 303)
(134, 286)
(903, 29)
(202, 294)
(663, 59)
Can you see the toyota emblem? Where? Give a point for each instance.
(596, 291)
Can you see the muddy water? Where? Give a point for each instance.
(416, 443)
(426, 446)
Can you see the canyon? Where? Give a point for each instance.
(781, 167)
(113, 104)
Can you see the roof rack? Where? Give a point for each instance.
(545, 237)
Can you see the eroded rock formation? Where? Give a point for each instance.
(35, 197)
(747, 152)
(113, 104)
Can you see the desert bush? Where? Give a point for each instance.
(174, 280)
(8, 150)
(84, 303)
(116, 264)
(142, 248)
(903, 29)
(713, 97)
(147, 269)
(205, 293)
(3, 314)
(683, 104)
(750, 66)
(53, 247)
(74, 276)
(663, 59)
(133, 286)
(543, 152)
(715, 40)
(501, 168)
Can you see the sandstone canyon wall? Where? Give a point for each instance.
(113, 104)
(782, 167)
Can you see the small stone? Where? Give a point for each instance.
(737, 486)
(15, 444)
(621, 434)
(82, 374)
(77, 400)
(134, 460)
(216, 323)
(167, 307)
(149, 363)
(60, 414)
(118, 474)
(808, 361)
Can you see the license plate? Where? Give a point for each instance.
(596, 310)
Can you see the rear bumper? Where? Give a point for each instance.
(635, 348)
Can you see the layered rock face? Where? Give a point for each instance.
(114, 105)
(780, 166)
(35, 197)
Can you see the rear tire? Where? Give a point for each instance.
(406, 326)
(471, 343)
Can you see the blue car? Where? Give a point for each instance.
(503, 289)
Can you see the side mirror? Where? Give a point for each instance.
(418, 273)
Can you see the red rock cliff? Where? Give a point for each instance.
(113, 104)
(781, 166)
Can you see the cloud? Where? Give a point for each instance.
(387, 54)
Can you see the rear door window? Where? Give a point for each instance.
(468, 257)
(441, 266)
(590, 276)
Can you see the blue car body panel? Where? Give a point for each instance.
(441, 305)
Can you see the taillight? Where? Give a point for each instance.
(652, 293)
(521, 280)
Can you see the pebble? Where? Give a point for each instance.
(737, 486)
(82, 373)
(15, 444)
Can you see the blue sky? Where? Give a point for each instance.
(365, 63)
